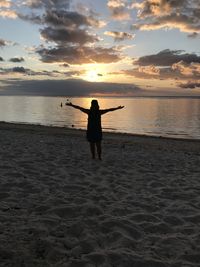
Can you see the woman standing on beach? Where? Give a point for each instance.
(94, 129)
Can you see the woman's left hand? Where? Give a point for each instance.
(68, 104)
(120, 107)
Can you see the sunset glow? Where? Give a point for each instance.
(93, 76)
(151, 45)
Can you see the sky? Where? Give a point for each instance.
(147, 47)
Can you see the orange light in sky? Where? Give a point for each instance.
(92, 76)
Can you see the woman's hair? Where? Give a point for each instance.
(94, 105)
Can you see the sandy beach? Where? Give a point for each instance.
(138, 207)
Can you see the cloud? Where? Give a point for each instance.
(178, 71)
(191, 70)
(28, 72)
(150, 70)
(123, 47)
(19, 69)
(118, 9)
(147, 72)
(64, 27)
(1, 59)
(5, 3)
(167, 64)
(65, 65)
(78, 55)
(167, 58)
(6, 43)
(119, 36)
(69, 87)
(62, 18)
(193, 35)
(148, 8)
(57, 14)
(6, 11)
(2, 43)
(70, 19)
(32, 17)
(16, 59)
(8, 14)
(92, 17)
(64, 36)
(48, 4)
(56, 73)
(190, 85)
(65, 18)
(69, 32)
(157, 14)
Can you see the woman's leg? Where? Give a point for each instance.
(92, 149)
(98, 145)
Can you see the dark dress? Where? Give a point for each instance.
(94, 130)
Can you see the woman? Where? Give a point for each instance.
(94, 130)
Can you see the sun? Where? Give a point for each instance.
(92, 76)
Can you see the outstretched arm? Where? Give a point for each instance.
(77, 107)
(103, 111)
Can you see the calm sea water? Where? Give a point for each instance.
(171, 117)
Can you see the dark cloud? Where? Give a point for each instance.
(73, 73)
(56, 73)
(1, 59)
(33, 18)
(63, 27)
(2, 43)
(61, 18)
(65, 18)
(181, 14)
(19, 69)
(63, 36)
(193, 35)
(70, 32)
(65, 65)
(16, 59)
(49, 4)
(66, 88)
(29, 72)
(167, 58)
(79, 55)
(167, 64)
(7, 43)
(119, 36)
(190, 85)
(177, 71)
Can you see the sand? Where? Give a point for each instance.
(138, 207)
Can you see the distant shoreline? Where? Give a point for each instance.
(102, 96)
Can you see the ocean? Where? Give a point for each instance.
(156, 116)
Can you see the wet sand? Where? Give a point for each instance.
(139, 206)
